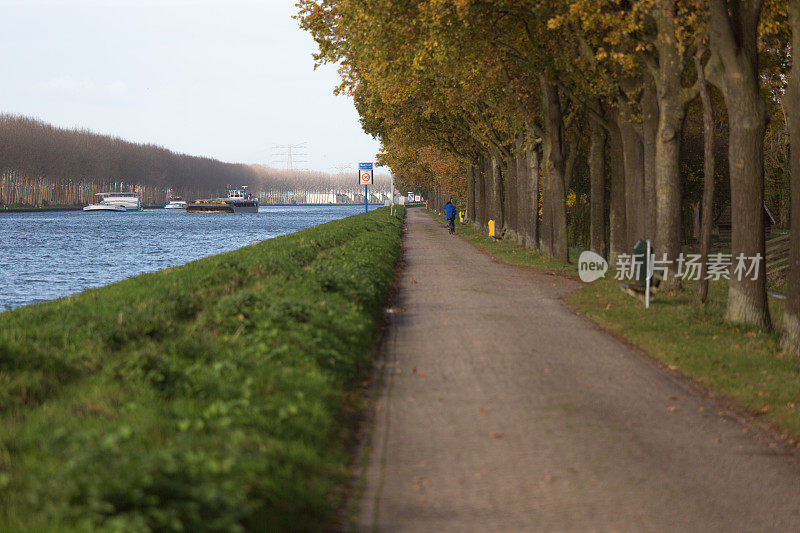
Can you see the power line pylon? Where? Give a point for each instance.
(288, 154)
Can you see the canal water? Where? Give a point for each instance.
(47, 255)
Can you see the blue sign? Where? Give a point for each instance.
(365, 166)
(411, 197)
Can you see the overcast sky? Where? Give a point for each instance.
(228, 79)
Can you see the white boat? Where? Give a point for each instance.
(237, 201)
(116, 201)
(176, 202)
(104, 207)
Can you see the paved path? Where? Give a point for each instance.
(501, 410)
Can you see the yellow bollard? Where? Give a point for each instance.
(461, 216)
(491, 228)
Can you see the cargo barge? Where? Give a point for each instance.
(237, 201)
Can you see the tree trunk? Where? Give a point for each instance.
(672, 101)
(522, 189)
(734, 39)
(499, 192)
(533, 189)
(510, 196)
(649, 132)
(597, 184)
(618, 237)
(555, 164)
(546, 230)
(668, 182)
(480, 196)
(790, 334)
(633, 158)
(471, 181)
(708, 180)
(491, 203)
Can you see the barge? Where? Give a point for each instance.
(237, 201)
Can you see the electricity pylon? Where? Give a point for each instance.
(288, 154)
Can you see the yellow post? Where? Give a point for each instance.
(491, 228)
(461, 216)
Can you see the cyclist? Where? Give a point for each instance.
(450, 215)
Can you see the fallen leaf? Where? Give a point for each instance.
(751, 334)
(671, 408)
(764, 409)
(497, 435)
(484, 410)
(414, 370)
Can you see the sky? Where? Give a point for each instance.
(227, 79)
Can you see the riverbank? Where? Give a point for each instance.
(217, 395)
(743, 365)
(32, 209)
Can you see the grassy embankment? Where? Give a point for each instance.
(740, 363)
(211, 396)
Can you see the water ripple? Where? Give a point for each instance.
(50, 255)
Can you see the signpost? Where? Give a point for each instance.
(365, 178)
(391, 207)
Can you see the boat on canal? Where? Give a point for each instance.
(116, 201)
(237, 201)
(176, 202)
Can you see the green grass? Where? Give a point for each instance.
(215, 396)
(514, 254)
(740, 363)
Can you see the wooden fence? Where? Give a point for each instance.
(778, 254)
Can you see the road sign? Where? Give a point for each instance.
(411, 197)
(417, 198)
(365, 173)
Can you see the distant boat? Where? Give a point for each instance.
(176, 202)
(116, 201)
(237, 201)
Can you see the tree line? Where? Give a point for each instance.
(43, 165)
(652, 113)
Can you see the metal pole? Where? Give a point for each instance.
(365, 200)
(648, 276)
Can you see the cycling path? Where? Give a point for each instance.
(501, 410)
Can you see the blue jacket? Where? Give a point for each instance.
(449, 211)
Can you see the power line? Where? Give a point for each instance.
(288, 154)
